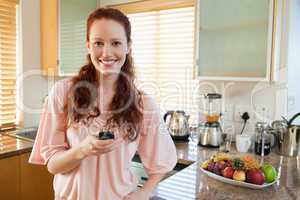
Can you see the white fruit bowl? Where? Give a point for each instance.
(234, 182)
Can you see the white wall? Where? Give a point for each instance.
(293, 59)
(33, 87)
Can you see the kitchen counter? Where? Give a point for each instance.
(10, 146)
(191, 183)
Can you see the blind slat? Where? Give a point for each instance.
(8, 56)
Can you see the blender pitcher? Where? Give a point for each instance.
(211, 134)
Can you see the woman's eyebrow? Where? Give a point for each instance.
(97, 38)
(116, 39)
(112, 39)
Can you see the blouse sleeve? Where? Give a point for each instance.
(51, 134)
(156, 148)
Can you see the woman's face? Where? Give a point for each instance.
(108, 46)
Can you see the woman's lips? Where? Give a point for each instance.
(108, 63)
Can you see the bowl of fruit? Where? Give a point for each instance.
(244, 171)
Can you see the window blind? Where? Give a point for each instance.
(163, 49)
(8, 38)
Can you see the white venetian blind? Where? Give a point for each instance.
(8, 38)
(163, 48)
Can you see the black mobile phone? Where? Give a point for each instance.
(106, 135)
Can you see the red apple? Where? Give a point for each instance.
(228, 172)
(239, 175)
(255, 176)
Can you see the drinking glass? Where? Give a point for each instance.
(243, 143)
(225, 144)
(194, 137)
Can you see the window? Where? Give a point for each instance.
(163, 49)
(8, 38)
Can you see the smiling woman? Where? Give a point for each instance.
(103, 98)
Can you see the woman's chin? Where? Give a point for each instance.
(108, 70)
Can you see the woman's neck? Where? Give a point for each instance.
(108, 82)
(107, 89)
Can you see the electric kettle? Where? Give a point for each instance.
(177, 123)
(288, 136)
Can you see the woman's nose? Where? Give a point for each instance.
(107, 50)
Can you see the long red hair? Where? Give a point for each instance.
(126, 104)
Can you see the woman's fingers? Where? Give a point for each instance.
(107, 143)
(104, 146)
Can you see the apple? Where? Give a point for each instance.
(269, 172)
(228, 172)
(239, 175)
(255, 176)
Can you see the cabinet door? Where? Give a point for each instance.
(63, 27)
(48, 26)
(36, 181)
(9, 178)
(72, 34)
(138, 170)
(234, 39)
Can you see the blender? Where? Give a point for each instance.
(211, 131)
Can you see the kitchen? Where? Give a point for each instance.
(272, 99)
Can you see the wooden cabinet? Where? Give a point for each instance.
(63, 37)
(49, 37)
(234, 39)
(35, 181)
(20, 180)
(10, 178)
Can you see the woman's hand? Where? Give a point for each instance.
(137, 195)
(91, 145)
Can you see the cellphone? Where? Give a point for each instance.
(106, 135)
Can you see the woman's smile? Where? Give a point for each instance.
(108, 62)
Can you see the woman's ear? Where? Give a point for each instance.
(129, 47)
(87, 44)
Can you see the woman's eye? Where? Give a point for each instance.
(116, 43)
(98, 44)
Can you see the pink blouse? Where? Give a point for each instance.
(107, 176)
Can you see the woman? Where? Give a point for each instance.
(102, 97)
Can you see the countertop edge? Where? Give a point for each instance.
(15, 153)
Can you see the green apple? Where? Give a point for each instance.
(269, 172)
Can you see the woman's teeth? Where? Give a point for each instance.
(107, 62)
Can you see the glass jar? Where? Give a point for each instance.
(212, 107)
(262, 144)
